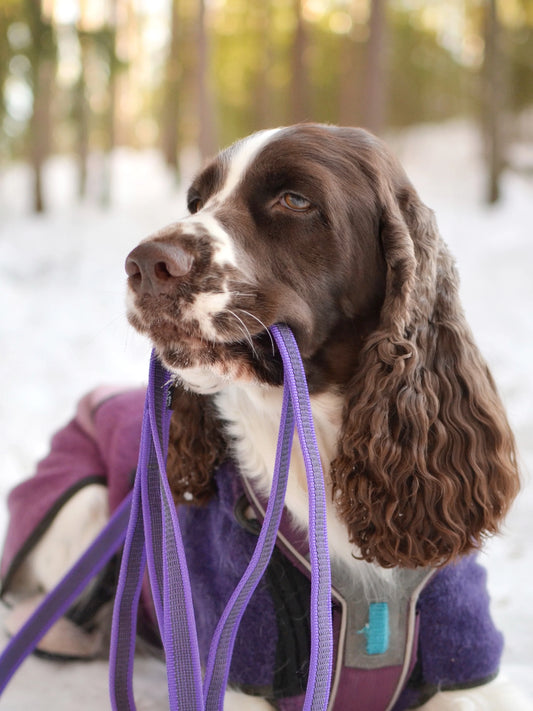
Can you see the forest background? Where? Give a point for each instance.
(186, 77)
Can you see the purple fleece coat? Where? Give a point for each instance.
(458, 644)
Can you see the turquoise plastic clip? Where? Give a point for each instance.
(377, 629)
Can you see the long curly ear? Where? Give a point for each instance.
(196, 447)
(426, 463)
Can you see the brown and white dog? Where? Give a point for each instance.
(318, 227)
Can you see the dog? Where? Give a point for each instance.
(318, 227)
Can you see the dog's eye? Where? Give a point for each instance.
(295, 202)
(194, 205)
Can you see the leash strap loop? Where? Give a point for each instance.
(321, 661)
(223, 641)
(154, 533)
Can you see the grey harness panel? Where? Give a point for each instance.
(379, 616)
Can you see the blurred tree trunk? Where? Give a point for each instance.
(299, 88)
(43, 64)
(6, 18)
(348, 102)
(171, 99)
(206, 117)
(350, 79)
(375, 87)
(82, 117)
(263, 115)
(493, 101)
(109, 119)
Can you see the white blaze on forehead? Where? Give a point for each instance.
(241, 156)
(207, 305)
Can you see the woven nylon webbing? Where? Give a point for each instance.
(154, 532)
(224, 638)
(296, 406)
(321, 661)
(167, 566)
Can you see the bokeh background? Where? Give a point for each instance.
(108, 107)
(84, 77)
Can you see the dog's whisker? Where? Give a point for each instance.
(245, 330)
(263, 325)
(230, 293)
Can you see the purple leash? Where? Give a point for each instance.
(154, 535)
(169, 574)
(321, 661)
(153, 540)
(223, 641)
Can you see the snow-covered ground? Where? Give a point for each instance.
(63, 330)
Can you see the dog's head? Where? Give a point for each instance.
(319, 228)
(282, 230)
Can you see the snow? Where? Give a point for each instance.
(63, 330)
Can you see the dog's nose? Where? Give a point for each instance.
(154, 267)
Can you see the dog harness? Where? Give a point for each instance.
(448, 639)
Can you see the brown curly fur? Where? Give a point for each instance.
(196, 447)
(426, 463)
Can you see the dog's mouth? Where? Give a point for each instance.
(207, 359)
(207, 367)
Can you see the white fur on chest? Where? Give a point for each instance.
(252, 413)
